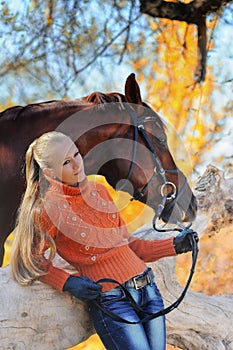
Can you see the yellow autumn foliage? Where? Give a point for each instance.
(172, 91)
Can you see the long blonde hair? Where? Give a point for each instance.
(25, 265)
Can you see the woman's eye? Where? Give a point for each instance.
(66, 162)
(76, 154)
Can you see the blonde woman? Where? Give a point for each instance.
(63, 212)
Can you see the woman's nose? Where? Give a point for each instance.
(75, 164)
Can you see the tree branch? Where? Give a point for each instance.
(202, 49)
(194, 12)
(179, 11)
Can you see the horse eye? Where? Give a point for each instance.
(161, 140)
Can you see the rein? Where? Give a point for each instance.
(150, 315)
(168, 199)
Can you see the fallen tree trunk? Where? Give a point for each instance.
(40, 318)
(201, 322)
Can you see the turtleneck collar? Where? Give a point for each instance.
(59, 187)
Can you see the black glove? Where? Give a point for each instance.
(183, 242)
(82, 288)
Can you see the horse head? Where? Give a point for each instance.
(131, 151)
(180, 202)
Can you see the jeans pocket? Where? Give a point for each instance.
(111, 296)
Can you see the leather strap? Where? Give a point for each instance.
(134, 304)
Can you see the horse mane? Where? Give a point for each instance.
(95, 99)
(13, 113)
(101, 98)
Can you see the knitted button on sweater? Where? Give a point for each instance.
(90, 234)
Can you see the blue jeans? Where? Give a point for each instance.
(116, 335)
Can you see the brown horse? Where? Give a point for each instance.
(103, 129)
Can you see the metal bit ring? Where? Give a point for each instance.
(169, 196)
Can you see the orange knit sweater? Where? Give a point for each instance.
(90, 234)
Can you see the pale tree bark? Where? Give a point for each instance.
(40, 318)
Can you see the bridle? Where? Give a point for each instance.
(166, 199)
(169, 199)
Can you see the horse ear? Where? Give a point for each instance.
(132, 90)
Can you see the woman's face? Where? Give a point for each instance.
(67, 163)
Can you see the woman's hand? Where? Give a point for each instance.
(183, 241)
(82, 288)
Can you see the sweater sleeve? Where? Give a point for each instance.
(55, 277)
(152, 250)
(149, 250)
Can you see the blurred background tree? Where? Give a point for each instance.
(68, 48)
